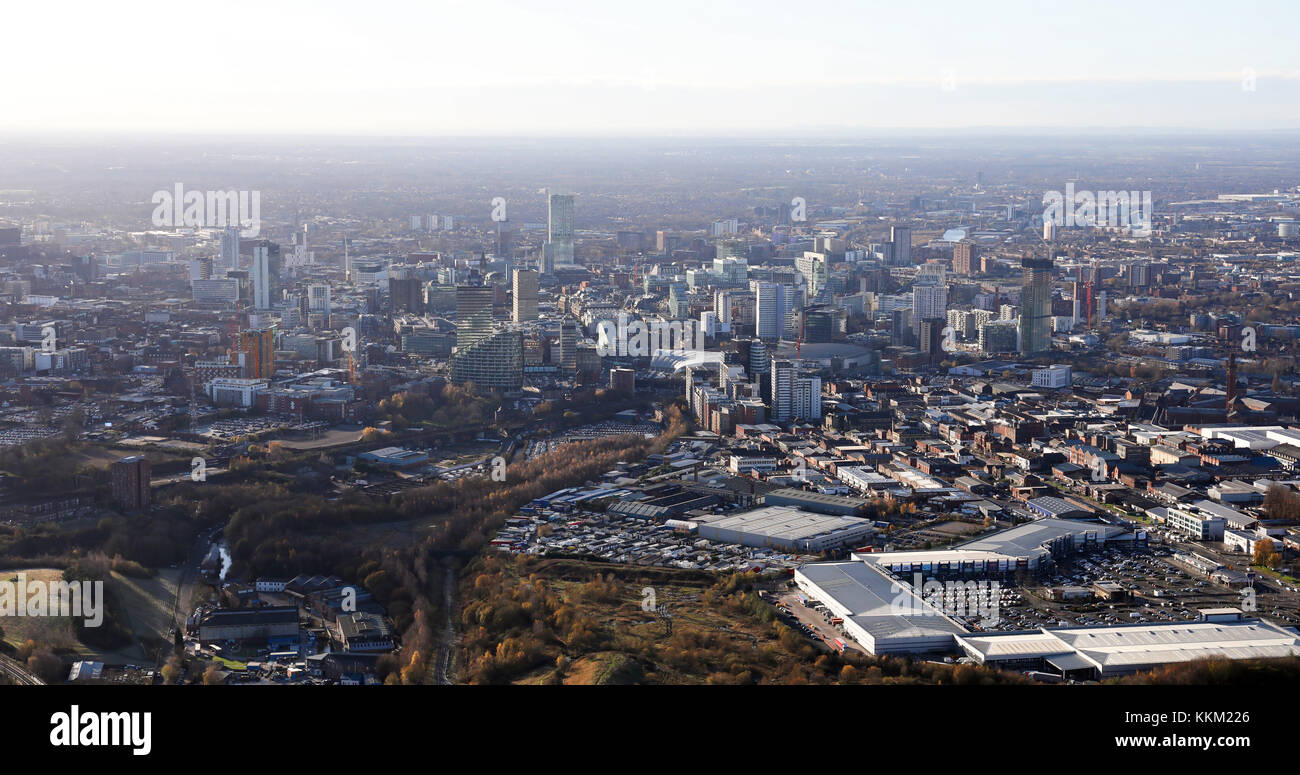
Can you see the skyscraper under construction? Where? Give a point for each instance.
(1036, 306)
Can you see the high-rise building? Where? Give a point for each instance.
(559, 232)
(495, 361)
(900, 327)
(813, 268)
(928, 301)
(1036, 306)
(406, 293)
(266, 274)
(130, 483)
(473, 313)
(230, 247)
(773, 303)
(568, 345)
(794, 397)
(901, 236)
(997, 336)
(318, 298)
(257, 347)
(525, 296)
(965, 258)
(201, 269)
(931, 337)
(261, 278)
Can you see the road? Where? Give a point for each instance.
(17, 673)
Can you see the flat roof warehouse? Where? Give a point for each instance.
(786, 527)
(886, 614)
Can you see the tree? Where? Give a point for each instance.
(46, 666)
(212, 676)
(1266, 555)
(1282, 503)
(173, 671)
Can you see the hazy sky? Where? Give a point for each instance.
(619, 67)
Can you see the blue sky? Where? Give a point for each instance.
(614, 67)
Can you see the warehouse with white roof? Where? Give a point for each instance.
(788, 529)
(884, 615)
(1090, 653)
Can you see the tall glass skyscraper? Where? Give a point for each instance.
(1036, 306)
(559, 232)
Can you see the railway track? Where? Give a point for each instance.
(17, 673)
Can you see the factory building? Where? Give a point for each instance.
(251, 624)
(820, 502)
(787, 529)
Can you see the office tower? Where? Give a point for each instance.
(559, 231)
(257, 347)
(130, 483)
(773, 304)
(406, 293)
(230, 247)
(820, 324)
(1036, 306)
(473, 313)
(900, 327)
(965, 258)
(1049, 229)
(494, 361)
(201, 269)
(225, 290)
(318, 298)
(928, 301)
(525, 296)
(901, 236)
(266, 274)
(568, 345)
(813, 268)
